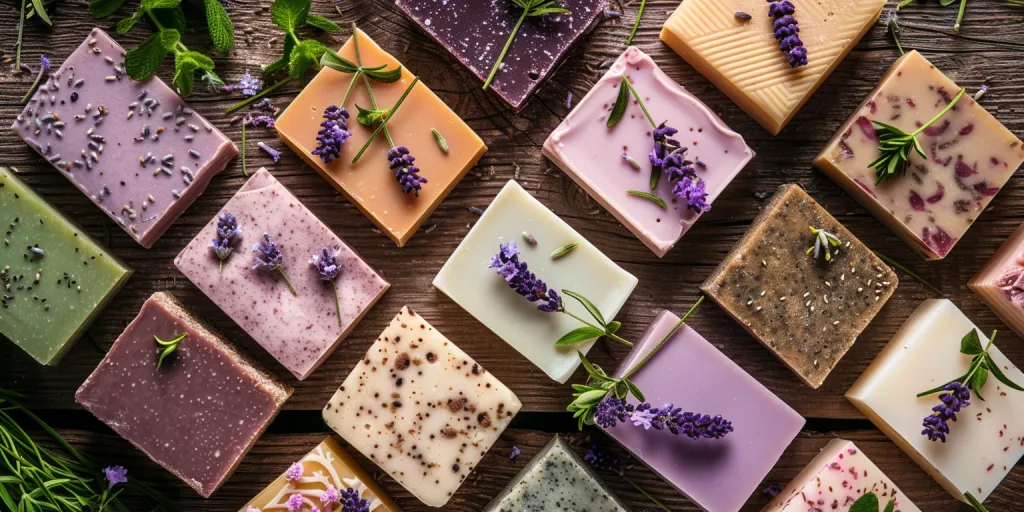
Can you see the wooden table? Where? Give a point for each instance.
(988, 51)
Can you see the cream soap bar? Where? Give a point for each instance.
(421, 409)
(1000, 283)
(988, 437)
(592, 154)
(970, 156)
(468, 280)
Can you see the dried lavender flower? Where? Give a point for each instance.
(668, 157)
(602, 458)
(786, 31)
(260, 121)
(295, 502)
(611, 411)
(115, 475)
(401, 162)
(525, 283)
(248, 86)
(328, 270)
(689, 424)
(227, 230)
(44, 73)
(333, 133)
(958, 396)
(515, 453)
(269, 259)
(329, 496)
(274, 154)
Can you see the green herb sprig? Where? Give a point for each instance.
(974, 503)
(626, 90)
(895, 145)
(531, 8)
(589, 331)
(823, 243)
(892, 23)
(868, 502)
(650, 197)
(636, 24)
(981, 367)
(35, 9)
(168, 347)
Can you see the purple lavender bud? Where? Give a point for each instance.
(599, 456)
(227, 230)
(790, 42)
(260, 121)
(274, 154)
(935, 424)
(786, 30)
(268, 256)
(114, 474)
(611, 411)
(524, 282)
(677, 422)
(406, 173)
(778, 9)
(797, 57)
(248, 85)
(333, 133)
(326, 266)
(44, 67)
(515, 453)
(264, 105)
(351, 501)
(692, 189)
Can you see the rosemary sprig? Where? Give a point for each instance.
(895, 145)
(531, 8)
(636, 24)
(975, 504)
(650, 197)
(168, 347)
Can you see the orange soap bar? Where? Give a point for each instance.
(370, 183)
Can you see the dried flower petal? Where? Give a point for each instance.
(248, 85)
(115, 475)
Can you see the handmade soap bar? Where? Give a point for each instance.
(837, 478)
(135, 148)
(1000, 283)
(475, 31)
(370, 184)
(595, 156)
(468, 280)
(55, 278)
(198, 411)
(742, 57)
(556, 479)
(806, 305)
(421, 409)
(299, 329)
(970, 156)
(717, 474)
(985, 441)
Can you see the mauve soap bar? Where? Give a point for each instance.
(135, 148)
(1000, 283)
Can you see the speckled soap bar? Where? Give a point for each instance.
(135, 148)
(806, 310)
(1000, 283)
(421, 409)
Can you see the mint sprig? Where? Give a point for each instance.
(982, 365)
(868, 502)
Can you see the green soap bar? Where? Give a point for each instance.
(49, 299)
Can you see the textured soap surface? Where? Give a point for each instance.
(988, 437)
(807, 311)
(467, 279)
(200, 412)
(421, 409)
(969, 157)
(475, 31)
(591, 153)
(369, 183)
(1000, 283)
(743, 58)
(717, 474)
(134, 148)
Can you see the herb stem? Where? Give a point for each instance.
(257, 96)
(606, 333)
(21, 30)
(646, 494)
(245, 172)
(508, 44)
(940, 114)
(384, 121)
(287, 281)
(959, 16)
(632, 33)
(668, 335)
(903, 4)
(369, 92)
(351, 85)
(337, 301)
(909, 272)
(639, 101)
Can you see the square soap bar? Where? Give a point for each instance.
(806, 310)
(742, 58)
(970, 156)
(135, 148)
(556, 479)
(591, 153)
(55, 278)
(196, 415)
(985, 442)
(1000, 283)
(369, 183)
(717, 474)
(475, 31)
(421, 409)
(300, 330)
(468, 280)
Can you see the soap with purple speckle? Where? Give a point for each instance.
(1000, 283)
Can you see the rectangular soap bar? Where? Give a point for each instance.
(970, 156)
(742, 57)
(370, 184)
(806, 310)
(300, 330)
(592, 154)
(1000, 284)
(986, 440)
(135, 148)
(200, 412)
(421, 409)
(475, 31)
(717, 474)
(55, 277)
(480, 290)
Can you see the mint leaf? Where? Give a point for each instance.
(866, 503)
(171, 18)
(305, 54)
(281, 63)
(322, 23)
(222, 31)
(289, 14)
(185, 65)
(338, 63)
(143, 61)
(370, 117)
(970, 344)
(125, 25)
(579, 335)
(149, 5)
(104, 8)
(169, 37)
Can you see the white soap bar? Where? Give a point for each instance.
(469, 281)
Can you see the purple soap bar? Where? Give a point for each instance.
(196, 415)
(717, 474)
(475, 31)
(135, 148)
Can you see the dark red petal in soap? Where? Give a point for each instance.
(939, 241)
(937, 196)
(966, 130)
(916, 202)
(865, 186)
(962, 169)
(935, 130)
(985, 190)
(865, 126)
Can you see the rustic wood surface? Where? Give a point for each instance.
(987, 51)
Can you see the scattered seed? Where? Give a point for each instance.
(441, 143)
(530, 239)
(564, 250)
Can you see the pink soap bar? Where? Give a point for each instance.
(717, 474)
(1000, 283)
(299, 330)
(135, 148)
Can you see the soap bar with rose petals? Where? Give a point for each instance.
(1000, 283)
(969, 157)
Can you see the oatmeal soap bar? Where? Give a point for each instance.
(970, 156)
(805, 295)
(135, 148)
(1000, 283)
(600, 159)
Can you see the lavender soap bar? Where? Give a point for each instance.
(135, 148)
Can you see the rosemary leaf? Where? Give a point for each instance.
(650, 197)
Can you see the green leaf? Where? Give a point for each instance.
(590, 398)
(305, 54)
(370, 117)
(322, 23)
(125, 25)
(222, 31)
(650, 197)
(978, 381)
(613, 327)
(158, 4)
(999, 375)
(947, 3)
(591, 308)
(384, 76)
(338, 63)
(634, 390)
(619, 108)
(281, 63)
(579, 335)
(621, 390)
(289, 14)
(868, 502)
(40, 11)
(185, 65)
(171, 18)
(592, 370)
(143, 61)
(970, 344)
(891, 506)
(104, 8)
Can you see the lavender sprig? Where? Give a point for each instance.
(248, 86)
(227, 230)
(786, 31)
(328, 270)
(668, 157)
(407, 174)
(333, 132)
(269, 259)
(44, 73)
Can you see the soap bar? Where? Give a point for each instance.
(325, 467)
(984, 443)
(556, 479)
(200, 412)
(970, 156)
(592, 154)
(835, 480)
(999, 283)
(421, 409)
(717, 474)
(135, 148)
(370, 184)
(807, 310)
(742, 57)
(480, 290)
(475, 31)
(55, 278)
